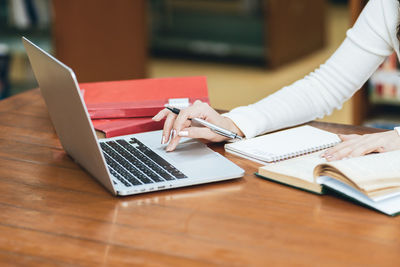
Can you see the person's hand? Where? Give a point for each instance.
(177, 126)
(355, 145)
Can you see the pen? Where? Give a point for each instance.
(212, 127)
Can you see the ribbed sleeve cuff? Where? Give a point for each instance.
(243, 123)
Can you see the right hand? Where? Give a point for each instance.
(178, 126)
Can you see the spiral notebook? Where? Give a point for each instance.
(283, 144)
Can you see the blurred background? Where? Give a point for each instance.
(248, 49)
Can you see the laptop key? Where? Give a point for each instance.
(159, 160)
(119, 173)
(136, 162)
(127, 175)
(128, 165)
(128, 171)
(134, 171)
(119, 177)
(148, 162)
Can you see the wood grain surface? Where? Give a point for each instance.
(54, 214)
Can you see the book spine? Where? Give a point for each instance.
(129, 109)
(131, 129)
(123, 113)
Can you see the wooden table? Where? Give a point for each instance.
(54, 213)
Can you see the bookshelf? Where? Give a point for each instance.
(238, 30)
(30, 18)
(293, 29)
(377, 104)
(360, 99)
(99, 39)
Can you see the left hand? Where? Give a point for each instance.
(355, 145)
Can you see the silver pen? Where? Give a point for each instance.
(212, 127)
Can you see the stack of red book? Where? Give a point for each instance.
(126, 107)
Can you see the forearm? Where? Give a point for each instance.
(313, 97)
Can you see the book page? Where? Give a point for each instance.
(301, 167)
(372, 171)
(389, 206)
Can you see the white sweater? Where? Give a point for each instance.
(367, 44)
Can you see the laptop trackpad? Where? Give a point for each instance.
(188, 151)
(192, 157)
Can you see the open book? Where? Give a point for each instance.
(373, 180)
(292, 157)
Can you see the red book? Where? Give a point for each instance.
(379, 89)
(140, 98)
(117, 127)
(390, 63)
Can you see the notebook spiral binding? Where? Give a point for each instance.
(302, 152)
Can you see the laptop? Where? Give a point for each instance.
(125, 165)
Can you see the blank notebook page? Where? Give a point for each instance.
(285, 144)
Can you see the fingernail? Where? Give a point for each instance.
(183, 133)
(163, 140)
(333, 157)
(168, 149)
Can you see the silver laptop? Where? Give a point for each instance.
(128, 164)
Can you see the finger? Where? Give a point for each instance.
(366, 148)
(183, 118)
(360, 147)
(333, 150)
(161, 114)
(175, 138)
(202, 133)
(368, 144)
(340, 154)
(197, 110)
(174, 141)
(346, 137)
(187, 124)
(169, 121)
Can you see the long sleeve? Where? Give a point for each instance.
(372, 38)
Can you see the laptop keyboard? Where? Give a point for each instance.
(133, 163)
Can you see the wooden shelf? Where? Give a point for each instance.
(360, 99)
(290, 33)
(102, 40)
(362, 105)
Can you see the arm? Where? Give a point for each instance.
(364, 49)
(366, 46)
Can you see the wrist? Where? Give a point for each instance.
(231, 126)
